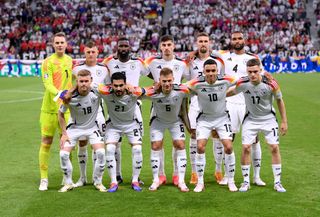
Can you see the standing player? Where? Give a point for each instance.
(259, 94)
(56, 76)
(180, 71)
(196, 70)
(132, 68)
(235, 65)
(99, 74)
(211, 91)
(84, 106)
(166, 108)
(121, 102)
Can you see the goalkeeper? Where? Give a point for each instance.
(56, 76)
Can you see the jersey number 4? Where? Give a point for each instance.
(235, 68)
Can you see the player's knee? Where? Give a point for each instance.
(179, 145)
(156, 146)
(64, 155)
(137, 149)
(47, 140)
(110, 149)
(201, 149)
(246, 149)
(228, 148)
(274, 149)
(100, 153)
(193, 134)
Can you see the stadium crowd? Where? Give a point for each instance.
(27, 26)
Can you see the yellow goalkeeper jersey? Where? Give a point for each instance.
(56, 75)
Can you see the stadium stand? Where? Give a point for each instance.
(272, 26)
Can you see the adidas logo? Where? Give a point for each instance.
(229, 59)
(159, 67)
(203, 90)
(116, 67)
(182, 136)
(159, 101)
(78, 105)
(195, 68)
(247, 92)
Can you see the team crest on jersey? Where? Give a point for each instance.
(93, 100)
(175, 99)
(176, 68)
(98, 73)
(133, 66)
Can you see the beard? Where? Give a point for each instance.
(239, 47)
(123, 55)
(203, 50)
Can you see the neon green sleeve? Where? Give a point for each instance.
(47, 71)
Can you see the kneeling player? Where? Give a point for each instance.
(166, 107)
(84, 107)
(259, 93)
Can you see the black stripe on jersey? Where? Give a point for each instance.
(69, 125)
(80, 64)
(265, 80)
(252, 54)
(245, 116)
(199, 115)
(101, 104)
(220, 77)
(152, 119)
(101, 64)
(227, 111)
(75, 94)
(108, 121)
(244, 79)
(178, 58)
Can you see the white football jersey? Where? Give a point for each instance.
(259, 98)
(166, 108)
(178, 66)
(99, 72)
(121, 109)
(212, 97)
(196, 70)
(133, 68)
(83, 110)
(236, 66)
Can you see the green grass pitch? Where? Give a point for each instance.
(19, 174)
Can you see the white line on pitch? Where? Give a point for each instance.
(20, 100)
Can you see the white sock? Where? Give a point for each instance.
(155, 163)
(200, 165)
(193, 152)
(82, 160)
(230, 166)
(246, 173)
(161, 167)
(136, 162)
(256, 159)
(182, 164)
(174, 160)
(276, 169)
(99, 165)
(66, 167)
(94, 158)
(218, 152)
(111, 162)
(118, 158)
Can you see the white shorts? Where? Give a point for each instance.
(93, 135)
(237, 113)
(138, 115)
(221, 125)
(193, 113)
(114, 133)
(269, 128)
(157, 129)
(101, 123)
